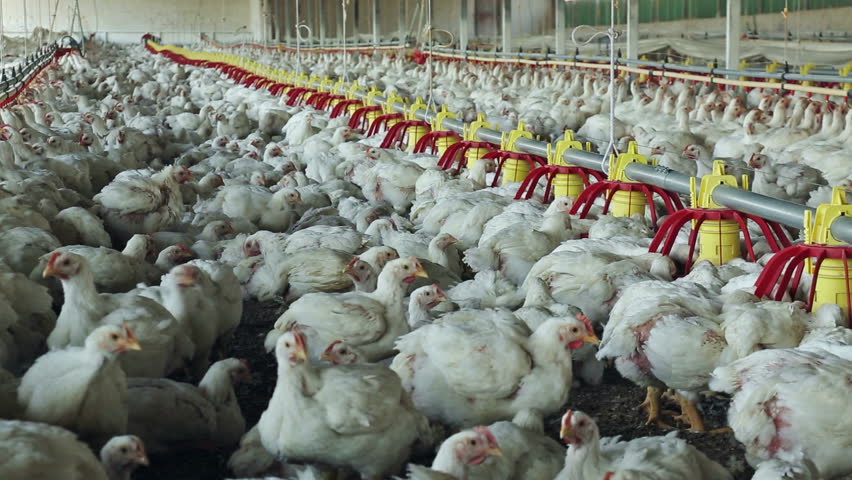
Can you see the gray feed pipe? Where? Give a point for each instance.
(773, 209)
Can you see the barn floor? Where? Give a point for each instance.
(612, 404)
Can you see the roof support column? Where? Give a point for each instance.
(506, 30)
(633, 29)
(559, 8)
(732, 34)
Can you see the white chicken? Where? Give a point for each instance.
(143, 201)
(475, 367)
(369, 321)
(83, 389)
(169, 415)
(37, 450)
(167, 347)
(591, 457)
(355, 416)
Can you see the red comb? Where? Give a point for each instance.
(438, 289)
(586, 322)
(609, 476)
(568, 416)
(245, 362)
(492, 441)
(53, 257)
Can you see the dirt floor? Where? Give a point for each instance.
(612, 404)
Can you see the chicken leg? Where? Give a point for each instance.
(690, 414)
(652, 406)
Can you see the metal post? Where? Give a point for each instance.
(507, 25)
(403, 27)
(321, 21)
(376, 23)
(633, 29)
(464, 24)
(287, 25)
(560, 10)
(732, 34)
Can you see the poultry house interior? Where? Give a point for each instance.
(426, 239)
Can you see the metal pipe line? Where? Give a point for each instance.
(773, 209)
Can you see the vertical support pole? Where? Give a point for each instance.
(633, 29)
(403, 27)
(321, 21)
(341, 29)
(559, 32)
(506, 27)
(287, 26)
(276, 23)
(464, 23)
(376, 22)
(732, 34)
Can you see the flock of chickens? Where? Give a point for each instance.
(424, 316)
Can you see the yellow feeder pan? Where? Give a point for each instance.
(414, 133)
(443, 143)
(627, 203)
(718, 240)
(469, 135)
(833, 278)
(566, 184)
(515, 170)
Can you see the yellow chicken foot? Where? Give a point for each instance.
(652, 406)
(690, 415)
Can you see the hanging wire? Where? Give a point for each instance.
(612, 34)
(2, 43)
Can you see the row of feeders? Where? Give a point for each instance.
(715, 228)
(715, 231)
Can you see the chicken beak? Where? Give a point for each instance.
(131, 344)
(48, 271)
(301, 354)
(326, 356)
(142, 460)
(494, 452)
(593, 339)
(420, 272)
(566, 433)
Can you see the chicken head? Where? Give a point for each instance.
(474, 446)
(113, 339)
(578, 428)
(293, 347)
(63, 265)
(121, 455)
(339, 353)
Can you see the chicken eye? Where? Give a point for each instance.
(66, 262)
(581, 423)
(287, 344)
(575, 330)
(406, 267)
(114, 336)
(473, 443)
(343, 351)
(124, 450)
(428, 294)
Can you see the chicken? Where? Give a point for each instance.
(21, 247)
(591, 457)
(786, 403)
(503, 450)
(113, 271)
(267, 210)
(143, 201)
(36, 450)
(206, 310)
(78, 226)
(355, 416)
(474, 367)
(167, 347)
(421, 302)
(369, 321)
(171, 416)
(666, 334)
(83, 389)
(514, 249)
